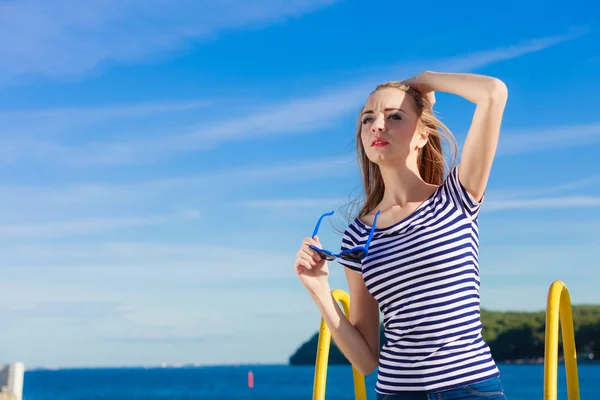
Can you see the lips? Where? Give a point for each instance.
(378, 142)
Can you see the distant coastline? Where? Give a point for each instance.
(513, 337)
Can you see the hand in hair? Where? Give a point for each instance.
(490, 96)
(419, 82)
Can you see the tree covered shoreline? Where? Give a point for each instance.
(513, 337)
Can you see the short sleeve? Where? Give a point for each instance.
(468, 203)
(348, 243)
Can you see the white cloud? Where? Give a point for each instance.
(295, 116)
(489, 205)
(196, 262)
(507, 53)
(34, 133)
(543, 203)
(70, 38)
(526, 269)
(168, 289)
(61, 310)
(85, 226)
(95, 113)
(53, 199)
(532, 259)
(319, 112)
(546, 138)
(292, 203)
(507, 194)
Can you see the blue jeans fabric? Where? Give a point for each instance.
(490, 389)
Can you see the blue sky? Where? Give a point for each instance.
(162, 161)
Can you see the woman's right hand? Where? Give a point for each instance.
(311, 269)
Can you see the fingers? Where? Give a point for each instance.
(431, 98)
(311, 241)
(307, 256)
(316, 239)
(311, 252)
(302, 264)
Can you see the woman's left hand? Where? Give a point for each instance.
(420, 82)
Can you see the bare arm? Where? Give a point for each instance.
(490, 96)
(357, 337)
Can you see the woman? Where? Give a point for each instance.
(421, 269)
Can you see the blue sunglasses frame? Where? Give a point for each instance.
(354, 254)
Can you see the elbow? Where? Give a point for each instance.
(368, 369)
(497, 91)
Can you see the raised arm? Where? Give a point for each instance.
(490, 96)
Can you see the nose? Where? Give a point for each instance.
(378, 125)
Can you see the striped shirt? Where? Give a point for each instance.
(424, 273)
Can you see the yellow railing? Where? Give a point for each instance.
(558, 309)
(323, 355)
(559, 304)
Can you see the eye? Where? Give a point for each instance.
(396, 116)
(367, 119)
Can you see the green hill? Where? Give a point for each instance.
(510, 335)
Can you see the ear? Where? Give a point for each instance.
(423, 136)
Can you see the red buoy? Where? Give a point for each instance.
(250, 379)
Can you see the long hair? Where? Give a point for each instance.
(430, 159)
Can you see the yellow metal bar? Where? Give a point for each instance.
(559, 304)
(323, 355)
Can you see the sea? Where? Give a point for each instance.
(256, 382)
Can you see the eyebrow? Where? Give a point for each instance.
(387, 109)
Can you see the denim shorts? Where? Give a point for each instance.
(490, 389)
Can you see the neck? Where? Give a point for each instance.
(403, 184)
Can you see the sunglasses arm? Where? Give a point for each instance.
(319, 223)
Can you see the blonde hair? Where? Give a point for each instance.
(431, 160)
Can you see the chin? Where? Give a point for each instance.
(386, 158)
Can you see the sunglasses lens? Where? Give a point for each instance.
(326, 256)
(354, 255)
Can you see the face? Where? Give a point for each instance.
(390, 128)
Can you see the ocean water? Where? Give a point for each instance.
(521, 382)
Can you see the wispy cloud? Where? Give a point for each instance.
(42, 133)
(68, 38)
(506, 53)
(322, 111)
(490, 205)
(547, 138)
(178, 339)
(92, 114)
(507, 194)
(53, 199)
(62, 310)
(87, 225)
(292, 203)
(543, 203)
(318, 112)
(182, 264)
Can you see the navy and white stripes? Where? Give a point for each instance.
(424, 273)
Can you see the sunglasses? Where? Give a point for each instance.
(354, 254)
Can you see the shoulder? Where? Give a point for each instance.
(354, 231)
(365, 220)
(460, 194)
